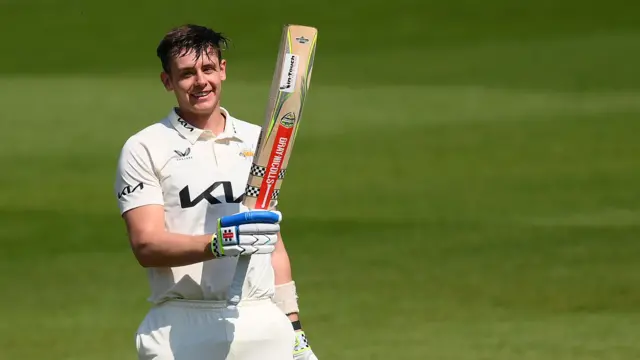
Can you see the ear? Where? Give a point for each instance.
(223, 70)
(166, 81)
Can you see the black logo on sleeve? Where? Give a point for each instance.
(128, 190)
(227, 192)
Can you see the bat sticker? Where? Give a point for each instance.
(289, 73)
(288, 120)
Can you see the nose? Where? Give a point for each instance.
(200, 78)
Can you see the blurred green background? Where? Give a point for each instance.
(464, 185)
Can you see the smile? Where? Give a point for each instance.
(201, 94)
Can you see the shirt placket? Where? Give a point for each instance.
(217, 152)
(208, 139)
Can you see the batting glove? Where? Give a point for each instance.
(301, 349)
(246, 233)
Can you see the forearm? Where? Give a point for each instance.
(293, 317)
(282, 270)
(286, 298)
(164, 249)
(281, 263)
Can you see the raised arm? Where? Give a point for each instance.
(286, 296)
(141, 204)
(153, 246)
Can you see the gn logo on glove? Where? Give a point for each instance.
(227, 234)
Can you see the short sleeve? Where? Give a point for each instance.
(136, 182)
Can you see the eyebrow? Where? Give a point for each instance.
(191, 67)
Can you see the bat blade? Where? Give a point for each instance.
(287, 95)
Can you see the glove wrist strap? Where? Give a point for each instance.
(216, 248)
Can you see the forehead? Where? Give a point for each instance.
(194, 59)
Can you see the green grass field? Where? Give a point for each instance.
(464, 184)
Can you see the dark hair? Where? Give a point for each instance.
(186, 38)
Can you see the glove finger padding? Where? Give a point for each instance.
(246, 233)
(258, 240)
(260, 250)
(246, 245)
(232, 235)
(258, 229)
(237, 250)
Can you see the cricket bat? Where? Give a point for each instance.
(289, 88)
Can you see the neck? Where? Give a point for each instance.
(213, 121)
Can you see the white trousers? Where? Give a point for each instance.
(185, 330)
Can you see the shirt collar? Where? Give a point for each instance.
(193, 133)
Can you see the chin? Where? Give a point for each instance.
(202, 108)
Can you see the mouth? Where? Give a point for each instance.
(201, 94)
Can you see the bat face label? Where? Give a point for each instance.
(274, 165)
(289, 73)
(274, 169)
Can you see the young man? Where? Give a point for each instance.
(179, 183)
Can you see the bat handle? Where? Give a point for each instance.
(236, 288)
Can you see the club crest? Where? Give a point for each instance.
(288, 120)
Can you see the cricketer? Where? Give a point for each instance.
(179, 187)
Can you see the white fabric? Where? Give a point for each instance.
(256, 330)
(198, 178)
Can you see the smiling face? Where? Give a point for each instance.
(196, 80)
(193, 68)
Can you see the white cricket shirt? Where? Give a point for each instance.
(198, 178)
